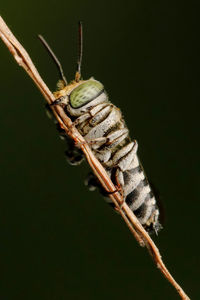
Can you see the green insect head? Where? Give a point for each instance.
(78, 92)
(85, 92)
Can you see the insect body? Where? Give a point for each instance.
(102, 125)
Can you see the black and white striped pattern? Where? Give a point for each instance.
(102, 125)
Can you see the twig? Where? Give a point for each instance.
(143, 238)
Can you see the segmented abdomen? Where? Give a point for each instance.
(102, 125)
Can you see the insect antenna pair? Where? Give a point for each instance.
(57, 62)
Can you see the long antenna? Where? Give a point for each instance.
(80, 51)
(58, 64)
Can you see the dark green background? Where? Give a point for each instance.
(58, 240)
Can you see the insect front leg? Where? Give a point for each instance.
(96, 143)
(80, 120)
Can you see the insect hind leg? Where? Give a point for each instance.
(92, 183)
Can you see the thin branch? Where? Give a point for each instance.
(142, 237)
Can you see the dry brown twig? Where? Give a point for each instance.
(143, 238)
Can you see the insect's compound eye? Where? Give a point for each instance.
(85, 93)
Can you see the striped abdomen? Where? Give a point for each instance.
(102, 125)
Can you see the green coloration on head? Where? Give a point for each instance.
(85, 93)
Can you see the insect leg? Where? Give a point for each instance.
(73, 154)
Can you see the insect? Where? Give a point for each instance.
(103, 127)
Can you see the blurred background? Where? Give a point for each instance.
(58, 240)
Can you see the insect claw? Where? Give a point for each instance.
(120, 207)
(118, 189)
(79, 144)
(56, 102)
